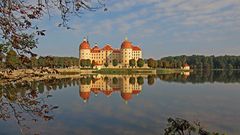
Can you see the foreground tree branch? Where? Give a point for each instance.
(18, 27)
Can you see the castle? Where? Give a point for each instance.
(107, 54)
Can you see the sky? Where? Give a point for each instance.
(160, 27)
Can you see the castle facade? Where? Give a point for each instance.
(107, 54)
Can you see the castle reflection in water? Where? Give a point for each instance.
(126, 86)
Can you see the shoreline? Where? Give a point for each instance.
(29, 75)
(38, 74)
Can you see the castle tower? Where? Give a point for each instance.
(84, 50)
(126, 92)
(85, 91)
(126, 48)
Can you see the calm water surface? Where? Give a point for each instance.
(121, 104)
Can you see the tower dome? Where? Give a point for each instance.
(84, 44)
(126, 44)
(85, 95)
(126, 96)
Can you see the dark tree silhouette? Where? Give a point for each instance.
(179, 126)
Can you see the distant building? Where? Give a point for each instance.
(186, 67)
(107, 54)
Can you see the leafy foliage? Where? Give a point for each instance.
(132, 80)
(14, 61)
(180, 126)
(85, 63)
(132, 62)
(140, 62)
(140, 80)
(18, 19)
(151, 79)
(152, 63)
(115, 62)
(106, 64)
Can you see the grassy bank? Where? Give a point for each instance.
(125, 71)
(171, 71)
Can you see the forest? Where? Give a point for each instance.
(13, 61)
(200, 62)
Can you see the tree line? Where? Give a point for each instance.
(14, 61)
(201, 62)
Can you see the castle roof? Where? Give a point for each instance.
(126, 45)
(84, 44)
(116, 51)
(85, 95)
(186, 65)
(126, 96)
(136, 92)
(95, 49)
(95, 90)
(136, 48)
(107, 48)
(107, 92)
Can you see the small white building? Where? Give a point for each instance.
(186, 67)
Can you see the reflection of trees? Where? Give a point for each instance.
(85, 80)
(24, 103)
(230, 76)
(27, 102)
(132, 80)
(140, 80)
(151, 79)
(180, 126)
(115, 80)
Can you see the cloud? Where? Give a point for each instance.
(182, 13)
(168, 22)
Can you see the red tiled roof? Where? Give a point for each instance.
(116, 89)
(136, 92)
(95, 49)
(84, 45)
(107, 92)
(85, 95)
(95, 90)
(186, 65)
(116, 51)
(136, 48)
(107, 48)
(126, 96)
(126, 45)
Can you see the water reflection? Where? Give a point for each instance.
(230, 76)
(126, 86)
(27, 104)
(24, 104)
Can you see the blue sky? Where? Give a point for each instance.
(160, 27)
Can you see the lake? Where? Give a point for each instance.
(121, 104)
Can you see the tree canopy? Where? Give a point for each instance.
(140, 62)
(132, 62)
(201, 62)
